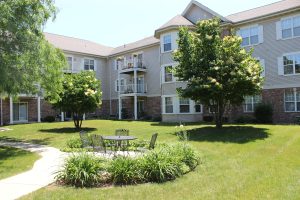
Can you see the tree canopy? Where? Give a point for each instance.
(218, 71)
(81, 94)
(26, 58)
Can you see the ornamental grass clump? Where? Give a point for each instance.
(160, 166)
(82, 170)
(125, 170)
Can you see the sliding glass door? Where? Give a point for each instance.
(20, 112)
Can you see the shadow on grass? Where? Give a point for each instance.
(9, 153)
(173, 124)
(66, 130)
(44, 141)
(229, 134)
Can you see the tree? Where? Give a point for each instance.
(26, 58)
(218, 71)
(81, 94)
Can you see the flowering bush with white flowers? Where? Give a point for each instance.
(81, 94)
(218, 71)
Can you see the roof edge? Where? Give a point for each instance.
(193, 2)
(267, 16)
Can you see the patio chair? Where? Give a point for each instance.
(122, 132)
(85, 140)
(98, 143)
(151, 144)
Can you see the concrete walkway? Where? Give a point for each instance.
(41, 175)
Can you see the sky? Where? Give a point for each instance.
(117, 22)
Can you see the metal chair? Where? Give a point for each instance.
(85, 140)
(151, 144)
(98, 143)
(122, 132)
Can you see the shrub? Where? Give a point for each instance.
(187, 155)
(264, 113)
(74, 143)
(125, 170)
(245, 120)
(81, 170)
(160, 166)
(208, 118)
(49, 119)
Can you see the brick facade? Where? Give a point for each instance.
(275, 97)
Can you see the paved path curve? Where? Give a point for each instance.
(39, 176)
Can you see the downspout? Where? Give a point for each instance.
(110, 106)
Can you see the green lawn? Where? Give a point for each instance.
(238, 162)
(14, 161)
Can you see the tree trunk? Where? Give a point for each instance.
(219, 116)
(77, 118)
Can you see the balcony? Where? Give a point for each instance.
(130, 88)
(130, 66)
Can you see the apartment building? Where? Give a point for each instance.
(137, 79)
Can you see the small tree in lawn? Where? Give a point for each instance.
(218, 71)
(81, 94)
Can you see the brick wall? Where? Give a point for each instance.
(153, 106)
(275, 97)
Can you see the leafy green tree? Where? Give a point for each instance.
(26, 58)
(81, 94)
(218, 71)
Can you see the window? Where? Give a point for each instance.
(120, 86)
(198, 108)
(184, 105)
(251, 102)
(290, 27)
(70, 63)
(291, 64)
(250, 36)
(20, 112)
(89, 64)
(167, 43)
(168, 105)
(292, 100)
(262, 63)
(168, 75)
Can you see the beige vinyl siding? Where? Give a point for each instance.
(270, 50)
(195, 14)
(152, 74)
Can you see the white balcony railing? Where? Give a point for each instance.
(131, 64)
(130, 89)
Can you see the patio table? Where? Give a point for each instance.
(118, 139)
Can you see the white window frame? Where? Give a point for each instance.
(180, 104)
(117, 84)
(280, 28)
(295, 101)
(253, 103)
(176, 106)
(89, 59)
(194, 104)
(164, 104)
(260, 34)
(281, 63)
(163, 73)
(163, 43)
(72, 64)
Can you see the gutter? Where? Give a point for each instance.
(1, 112)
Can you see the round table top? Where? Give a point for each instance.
(119, 138)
